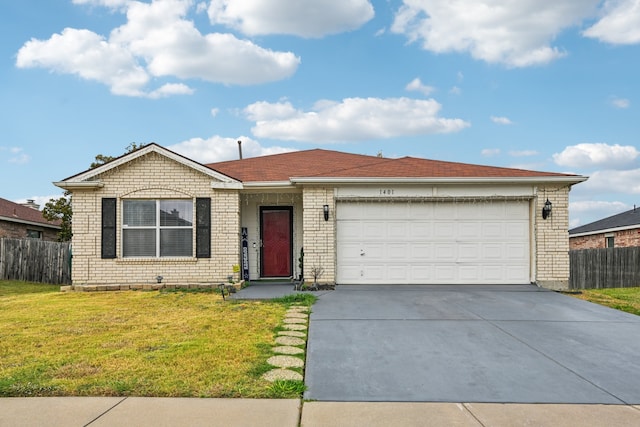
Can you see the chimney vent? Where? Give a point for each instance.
(31, 203)
(240, 149)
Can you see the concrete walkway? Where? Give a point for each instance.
(159, 412)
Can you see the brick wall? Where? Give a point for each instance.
(153, 176)
(16, 230)
(622, 239)
(319, 236)
(552, 239)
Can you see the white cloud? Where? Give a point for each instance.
(310, 18)
(501, 120)
(455, 90)
(587, 211)
(156, 41)
(353, 119)
(613, 181)
(416, 85)
(620, 23)
(599, 155)
(489, 152)
(523, 153)
(514, 33)
(16, 155)
(214, 112)
(107, 3)
(621, 103)
(218, 149)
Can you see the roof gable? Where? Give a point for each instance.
(88, 177)
(10, 211)
(628, 219)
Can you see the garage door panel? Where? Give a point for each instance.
(420, 230)
(349, 251)
(439, 243)
(350, 230)
(445, 274)
(468, 230)
(470, 252)
(445, 252)
(398, 273)
(444, 230)
(373, 274)
(516, 252)
(516, 231)
(421, 252)
(397, 230)
(398, 251)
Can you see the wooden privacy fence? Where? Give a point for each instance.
(604, 268)
(35, 260)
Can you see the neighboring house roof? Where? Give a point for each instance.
(14, 212)
(622, 221)
(325, 165)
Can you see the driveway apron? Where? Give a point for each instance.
(499, 344)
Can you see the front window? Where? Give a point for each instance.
(157, 228)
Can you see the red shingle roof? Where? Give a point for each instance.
(17, 212)
(319, 163)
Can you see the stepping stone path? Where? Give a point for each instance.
(295, 334)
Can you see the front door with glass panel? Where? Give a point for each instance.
(276, 229)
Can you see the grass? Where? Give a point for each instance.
(624, 299)
(136, 343)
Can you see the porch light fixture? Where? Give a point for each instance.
(546, 209)
(325, 209)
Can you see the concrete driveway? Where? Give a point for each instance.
(505, 344)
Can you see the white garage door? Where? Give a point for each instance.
(433, 242)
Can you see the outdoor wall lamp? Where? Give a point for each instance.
(546, 209)
(325, 209)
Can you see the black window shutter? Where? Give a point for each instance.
(203, 227)
(108, 228)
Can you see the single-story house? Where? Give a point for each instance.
(358, 219)
(617, 231)
(20, 221)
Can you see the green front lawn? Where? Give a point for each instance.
(624, 299)
(134, 343)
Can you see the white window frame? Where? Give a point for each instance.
(609, 237)
(158, 228)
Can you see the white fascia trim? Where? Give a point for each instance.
(146, 150)
(224, 185)
(22, 221)
(269, 184)
(489, 180)
(78, 185)
(606, 230)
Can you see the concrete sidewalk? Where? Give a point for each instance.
(157, 412)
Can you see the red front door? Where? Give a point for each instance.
(275, 226)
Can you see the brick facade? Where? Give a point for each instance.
(552, 239)
(16, 230)
(621, 239)
(319, 236)
(153, 177)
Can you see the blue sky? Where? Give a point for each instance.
(547, 86)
